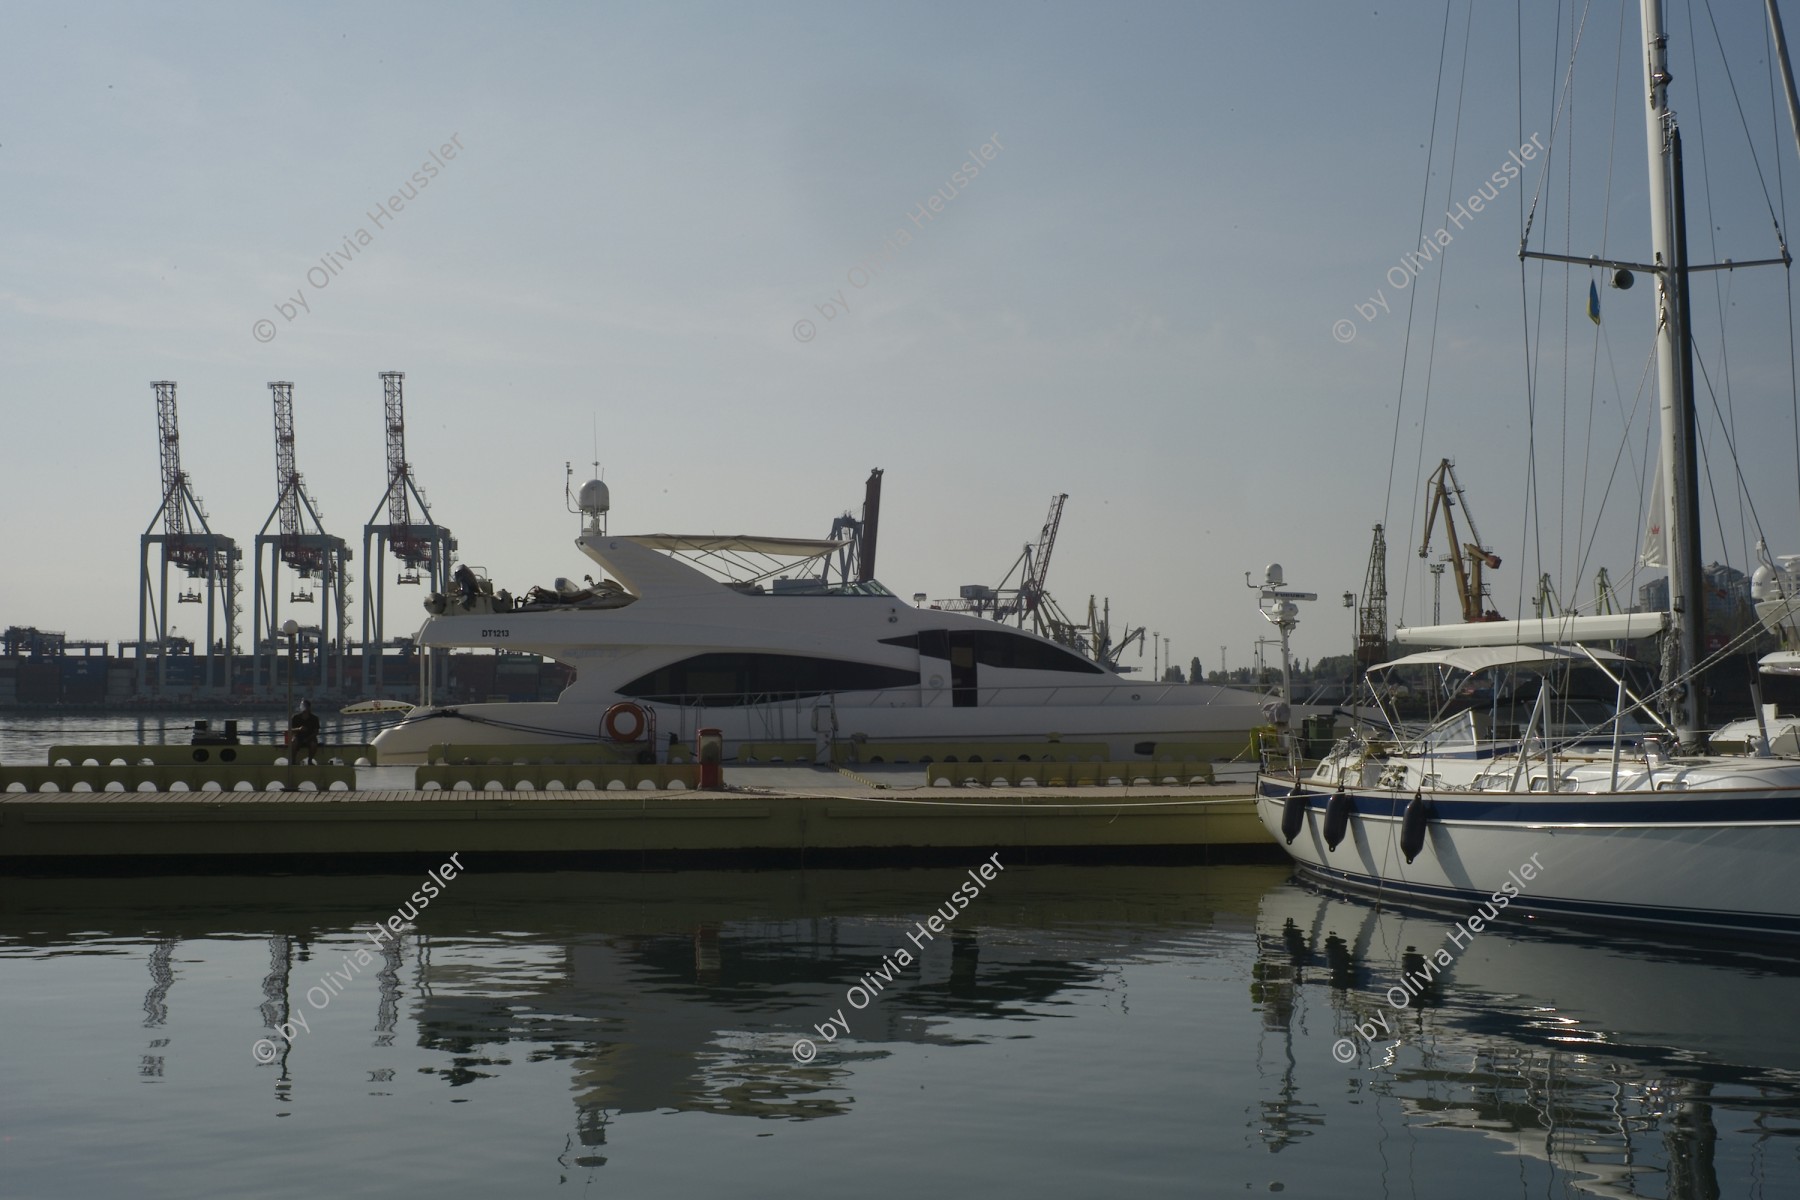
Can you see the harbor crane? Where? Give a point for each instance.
(855, 559)
(1014, 603)
(1467, 559)
(1037, 565)
(1097, 640)
(423, 547)
(1605, 600)
(1031, 599)
(1371, 617)
(1546, 603)
(302, 546)
(188, 544)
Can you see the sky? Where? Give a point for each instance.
(670, 241)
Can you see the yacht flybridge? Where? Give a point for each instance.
(750, 636)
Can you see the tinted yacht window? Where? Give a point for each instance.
(998, 648)
(734, 678)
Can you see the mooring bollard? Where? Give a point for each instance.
(709, 750)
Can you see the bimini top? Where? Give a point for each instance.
(1485, 658)
(686, 564)
(714, 543)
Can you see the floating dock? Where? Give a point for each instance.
(771, 817)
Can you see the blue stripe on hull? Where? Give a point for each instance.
(1748, 806)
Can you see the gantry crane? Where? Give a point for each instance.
(423, 547)
(1467, 559)
(303, 546)
(186, 543)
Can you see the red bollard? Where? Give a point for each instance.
(709, 751)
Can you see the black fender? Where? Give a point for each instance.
(1337, 819)
(1293, 817)
(1412, 827)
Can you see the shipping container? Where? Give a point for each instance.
(40, 682)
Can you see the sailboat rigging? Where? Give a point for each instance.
(1629, 825)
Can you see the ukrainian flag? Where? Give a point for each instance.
(1593, 302)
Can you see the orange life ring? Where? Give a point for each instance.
(640, 721)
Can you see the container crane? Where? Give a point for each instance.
(423, 547)
(1467, 559)
(188, 544)
(303, 546)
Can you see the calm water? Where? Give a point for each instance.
(1074, 1032)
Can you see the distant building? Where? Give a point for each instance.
(1727, 591)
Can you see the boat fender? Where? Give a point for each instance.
(1337, 819)
(1293, 816)
(1412, 827)
(624, 722)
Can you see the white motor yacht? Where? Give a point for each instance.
(685, 632)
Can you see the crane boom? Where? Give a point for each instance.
(392, 396)
(169, 445)
(1047, 541)
(287, 477)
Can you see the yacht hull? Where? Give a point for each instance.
(1221, 730)
(1720, 860)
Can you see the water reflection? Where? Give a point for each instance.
(567, 1019)
(1626, 1064)
(658, 992)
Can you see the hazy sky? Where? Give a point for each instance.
(668, 240)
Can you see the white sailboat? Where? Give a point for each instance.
(1606, 824)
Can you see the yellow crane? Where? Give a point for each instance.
(1468, 559)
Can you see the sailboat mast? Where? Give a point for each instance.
(1787, 69)
(1686, 600)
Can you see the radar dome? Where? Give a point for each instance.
(594, 498)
